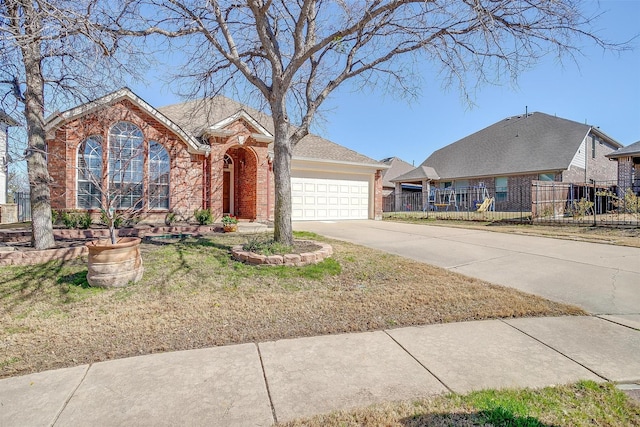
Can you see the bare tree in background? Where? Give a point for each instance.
(295, 53)
(52, 52)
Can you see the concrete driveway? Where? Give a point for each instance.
(602, 279)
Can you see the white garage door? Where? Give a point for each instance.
(324, 199)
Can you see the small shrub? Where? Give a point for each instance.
(229, 220)
(84, 220)
(547, 211)
(203, 216)
(582, 208)
(630, 203)
(266, 246)
(117, 221)
(70, 219)
(55, 216)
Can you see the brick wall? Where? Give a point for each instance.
(599, 168)
(377, 196)
(625, 169)
(196, 180)
(186, 178)
(251, 193)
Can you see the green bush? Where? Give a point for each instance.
(84, 220)
(55, 216)
(70, 219)
(73, 219)
(117, 221)
(203, 216)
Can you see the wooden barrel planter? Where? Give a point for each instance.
(114, 265)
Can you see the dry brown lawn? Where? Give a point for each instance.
(194, 295)
(622, 236)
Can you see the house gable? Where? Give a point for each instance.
(530, 143)
(131, 101)
(225, 127)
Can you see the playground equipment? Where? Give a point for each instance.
(442, 198)
(486, 205)
(469, 198)
(483, 202)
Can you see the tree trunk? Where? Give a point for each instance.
(282, 150)
(39, 179)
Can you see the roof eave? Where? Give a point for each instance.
(603, 135)
(376, 166)
(57, 119)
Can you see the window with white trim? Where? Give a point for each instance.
(125, 175)
(89, 173)
(126, 159)
(158, 176)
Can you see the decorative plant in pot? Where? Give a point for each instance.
(119, 194)
(229, 223)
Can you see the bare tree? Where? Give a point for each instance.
(52, 50)
(123, 166)
(117, 188)
(296, 53)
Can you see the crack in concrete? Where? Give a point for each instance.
(68, 399)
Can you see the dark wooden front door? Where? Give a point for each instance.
(226, 192)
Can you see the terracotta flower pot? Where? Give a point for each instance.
(114, 265)
(229, 228)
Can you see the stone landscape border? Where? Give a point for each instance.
(15, 257)
(297, 260)
(10, 256)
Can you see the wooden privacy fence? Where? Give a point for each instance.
(549, 199)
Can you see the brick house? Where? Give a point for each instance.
(508, 156)
(397, 167)
(628, 159)
(213, 153)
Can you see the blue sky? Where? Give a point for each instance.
(602, 89)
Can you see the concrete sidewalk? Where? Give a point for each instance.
(258, 384)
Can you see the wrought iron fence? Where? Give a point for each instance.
(594, 203)
(22, 199)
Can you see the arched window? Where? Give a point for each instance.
(89, 173)
(126, 158)
(125, 178)
(158, 176)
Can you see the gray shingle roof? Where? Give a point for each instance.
(418, 174)
(397, 167)
(195, 116)
(626, 151)
(522, 144)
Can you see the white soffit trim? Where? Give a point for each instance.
(238, 116)
(319, 162)
(262, 138)
(58, 118)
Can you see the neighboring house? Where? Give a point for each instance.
(5, 123)
(628, 159)
(213, 153)
(509, 155)
(397, 167)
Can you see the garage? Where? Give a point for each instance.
(316, 199)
